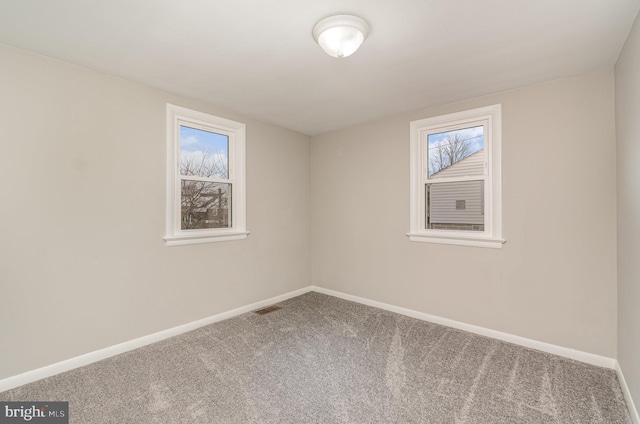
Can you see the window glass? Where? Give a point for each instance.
(203, 153)
(448, 151)
(205, 205)
(455, 206)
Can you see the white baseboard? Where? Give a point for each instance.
(577, 355)
(627, 395)
(79, 361)
(98, 355)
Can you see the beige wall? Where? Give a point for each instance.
(628, 134)
(82, 261)
(555, 278)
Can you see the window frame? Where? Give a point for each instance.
(178, 116)
(491, 119)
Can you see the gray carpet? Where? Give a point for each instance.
(325, 360)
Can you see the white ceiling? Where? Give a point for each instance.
(258, 57)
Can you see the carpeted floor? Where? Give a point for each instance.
(325, 360)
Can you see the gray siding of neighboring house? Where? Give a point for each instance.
(444, 196)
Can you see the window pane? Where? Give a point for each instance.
(455, 206)
(203, 153)
(205, 205)
(456, 153)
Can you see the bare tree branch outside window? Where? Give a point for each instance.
(444, 153)
(204, 164)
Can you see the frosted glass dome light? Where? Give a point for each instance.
(340, 35)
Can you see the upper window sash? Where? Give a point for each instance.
(461, 125)
(216, 130)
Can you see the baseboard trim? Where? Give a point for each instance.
(98, 355)
(577, 355)
(627, 395)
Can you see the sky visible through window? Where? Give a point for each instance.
(203, 153)
(449, 147)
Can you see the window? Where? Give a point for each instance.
(205, 178)
(456, 185)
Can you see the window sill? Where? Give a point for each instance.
(204, 238)
(490, 242)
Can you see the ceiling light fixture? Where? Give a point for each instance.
(340, 35)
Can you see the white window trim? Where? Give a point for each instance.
(492, 236)
(236, 132)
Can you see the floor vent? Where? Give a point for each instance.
(266, 310)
